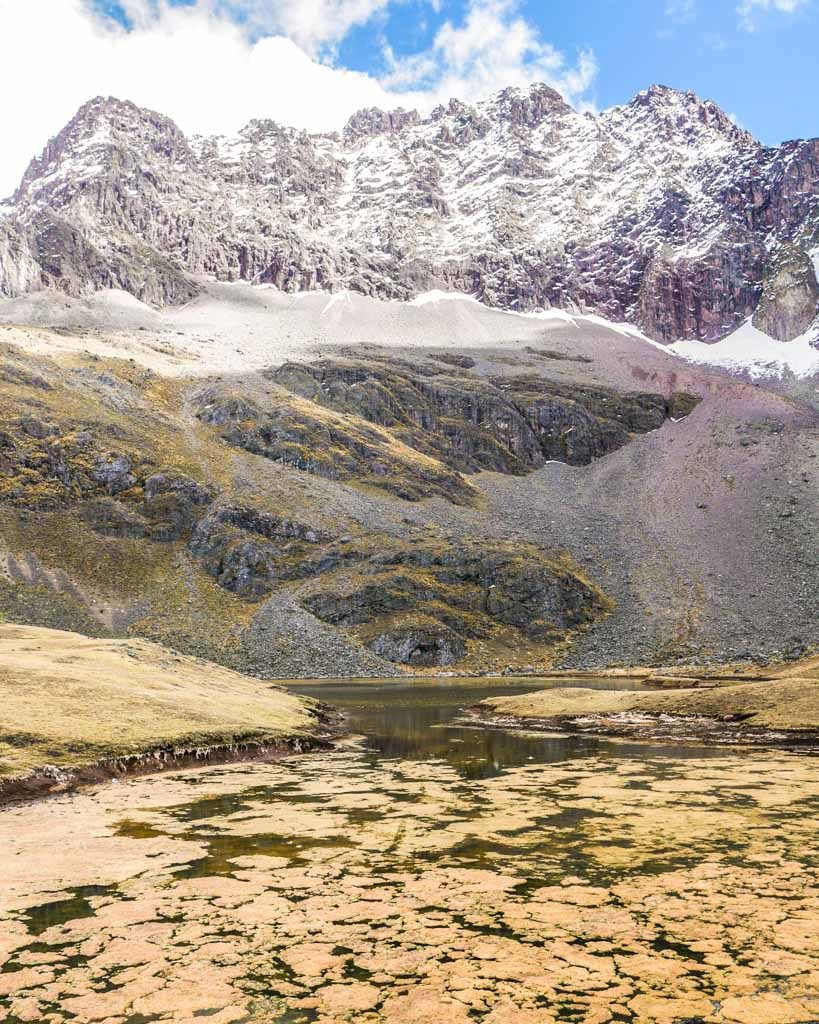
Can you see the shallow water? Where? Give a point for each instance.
(424, 873)
(421, 720)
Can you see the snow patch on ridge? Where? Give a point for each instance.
(750, 350)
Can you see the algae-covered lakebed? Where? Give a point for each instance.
(423, 872)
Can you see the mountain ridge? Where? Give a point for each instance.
(660, 212)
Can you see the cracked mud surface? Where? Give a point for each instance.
(476, 877)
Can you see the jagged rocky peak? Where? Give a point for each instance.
(677, 110)
(109, 147)
(455, 108)
(524, 108)
(265, 130)
(660, 212)
(528, 108)
(373, 121)
(101, 127)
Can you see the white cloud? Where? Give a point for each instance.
(191, 63)
(749, 9)
(681, 10)
(212, 65)
(492, 48)
(312, 24)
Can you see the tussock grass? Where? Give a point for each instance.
(70, 700)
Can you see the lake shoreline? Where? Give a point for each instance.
(78, 710)
(780, 711)
(653, 728)
(53, 780)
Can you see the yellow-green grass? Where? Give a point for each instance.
(789, 702)
(71, 700)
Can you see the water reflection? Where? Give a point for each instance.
(414, 721)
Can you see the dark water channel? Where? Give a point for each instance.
(424, 719)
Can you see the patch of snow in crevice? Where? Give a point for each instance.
(814, 255)
(751, 350)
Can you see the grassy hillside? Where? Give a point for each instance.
(386, 510)
(71, 701)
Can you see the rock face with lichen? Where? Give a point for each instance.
(509, 425)
(790, 296)
(423, 604)
(661, 212)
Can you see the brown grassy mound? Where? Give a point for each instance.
(70, 700)
(788, 702)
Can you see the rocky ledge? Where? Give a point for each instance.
(428, 604)
(505, 424)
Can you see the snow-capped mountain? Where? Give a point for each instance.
(661, 212)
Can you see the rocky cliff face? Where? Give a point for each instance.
(509, 425)
(790, 295)
(661, 212)
(129, 498)
(19, 272)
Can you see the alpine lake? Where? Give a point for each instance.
(428, 870)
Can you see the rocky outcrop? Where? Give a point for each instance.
(412, 430)
(790, 297)
(306, 437)
(419, 604)
(660, 212)
(19, 270)
(50, 464)
(372, 121)
(171, 506)
(508, 425)
(423, 605)
(424, 643)
(250, 552)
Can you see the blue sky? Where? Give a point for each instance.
(212, 65)
(765, 72)
(756, 58)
